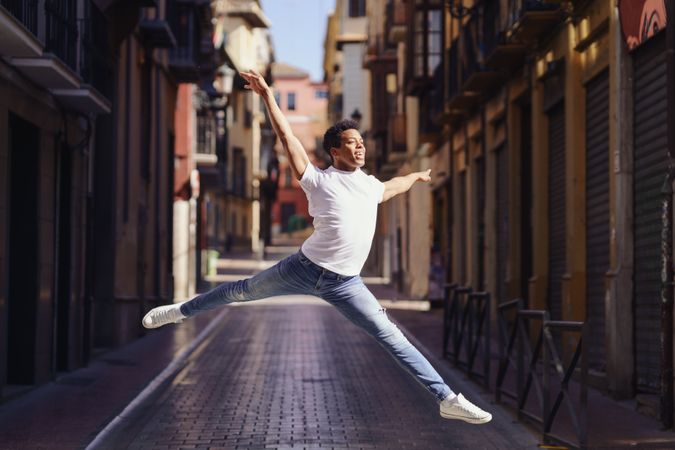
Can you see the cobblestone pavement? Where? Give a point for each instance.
(293, 373)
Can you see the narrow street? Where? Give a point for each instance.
(291, 372)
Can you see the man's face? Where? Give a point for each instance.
(352, 153)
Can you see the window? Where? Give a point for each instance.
(291, 101)
(427, 38)
(320, 93)
(357, 8)
(205, 133)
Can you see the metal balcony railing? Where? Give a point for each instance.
(470, 42)
(453, 73)
(25, 11)
(517, 8)
(61, 30)
(491, 26)
(95, 59)
(183, 58)
(436, 94)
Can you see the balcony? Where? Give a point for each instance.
(183, 58)
(193, 55)
(476, 76)
(95, 65)
(459, 100)
(61, 30)
(395, 25)
(250, 12)
(75, 62)
(156, 32)
(436, 95)
(529, 20)
(498, 52)
(18, 28)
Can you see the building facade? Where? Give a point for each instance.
(544, 124)
(89, 90)
(235, 216)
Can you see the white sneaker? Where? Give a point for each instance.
(163, 315)
(461, 409)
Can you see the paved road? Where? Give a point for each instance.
(294, 373)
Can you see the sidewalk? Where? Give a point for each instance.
(611, 424)
(69, 412)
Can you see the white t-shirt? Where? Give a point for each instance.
(344, 207)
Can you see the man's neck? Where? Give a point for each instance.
(345, 169)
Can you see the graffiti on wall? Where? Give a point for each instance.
(641, 19)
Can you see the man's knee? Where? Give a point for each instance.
(237, 291)
(385, 329)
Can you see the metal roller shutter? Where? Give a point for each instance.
(480, 221)
(463, 275)
(650, 166)
(556, 208)
(502, 196)
(597, 214)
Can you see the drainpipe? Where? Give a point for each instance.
(666, 237)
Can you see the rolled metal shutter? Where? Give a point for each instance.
(502, 196)
(480, 220)
(597, 214)
(463, 272)
(556, 208)
(650, 166)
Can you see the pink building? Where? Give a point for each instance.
(305, 105)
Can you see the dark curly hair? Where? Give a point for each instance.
(331, 138)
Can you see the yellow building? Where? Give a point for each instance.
(544, 124)
(247, 46)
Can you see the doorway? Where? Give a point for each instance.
(24, 142)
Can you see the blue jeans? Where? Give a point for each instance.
(298, 275)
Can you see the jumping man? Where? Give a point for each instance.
(343, 201)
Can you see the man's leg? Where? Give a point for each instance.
(357, 303)
(353, 299)
(285, 277)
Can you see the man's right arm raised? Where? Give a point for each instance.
(291, 144)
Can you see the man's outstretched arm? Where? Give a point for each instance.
(399, 185)
(291, 144)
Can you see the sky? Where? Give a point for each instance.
(298, 30)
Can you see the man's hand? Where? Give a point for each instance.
(399, 185)
(256, 82)
(424, 176)
(293, 147)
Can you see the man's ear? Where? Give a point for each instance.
(333, 152)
